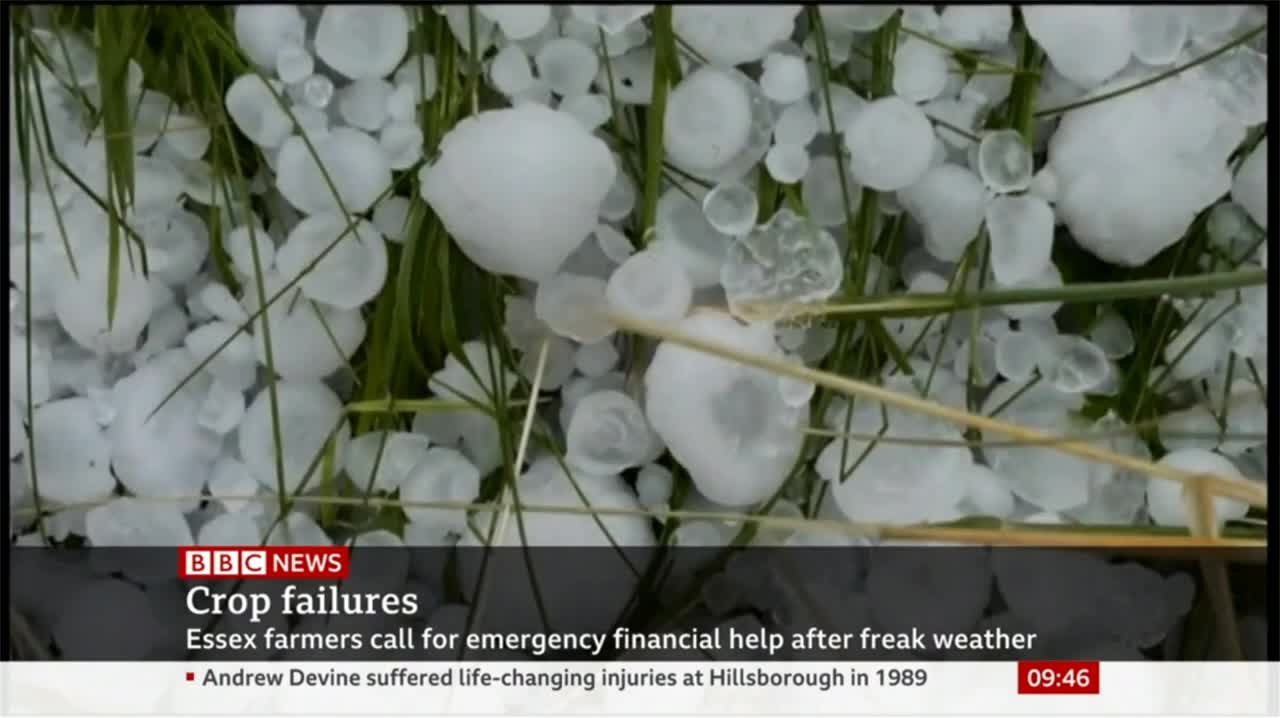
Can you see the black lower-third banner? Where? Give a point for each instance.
(621, 604)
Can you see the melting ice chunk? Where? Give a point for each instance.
(1075, 365)
(1004, 162)
(789, 260)
(315, 92)
(731, 208)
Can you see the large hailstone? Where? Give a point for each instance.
(733, 34)
(607, 434)
(948, 202)
(1134, 171)
(362, 41)
(729, 425)
(72, 453)
(519, 188)
(1088, 44)
(308, 411)
(892, 482)
(167, 454)
(256, 111)
(81, 301)
(262, 31)
(354, 162)
(350, 274)
(890, 144)
(717, 124)
(309, 340)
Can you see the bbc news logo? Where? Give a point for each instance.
(271, 562)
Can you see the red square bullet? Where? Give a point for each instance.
(190, 676)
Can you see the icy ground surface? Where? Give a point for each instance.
(162, 424)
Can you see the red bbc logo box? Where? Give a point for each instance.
(274, 562)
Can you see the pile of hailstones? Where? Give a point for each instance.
(534, 191)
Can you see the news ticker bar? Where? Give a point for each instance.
(707, 687)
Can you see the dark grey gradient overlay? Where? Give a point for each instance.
(129, 604)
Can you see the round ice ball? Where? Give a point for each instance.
(890, 144)
(362, 40)
(519, 189)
